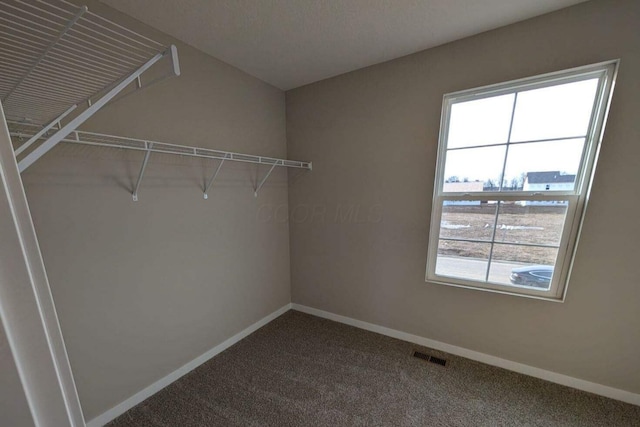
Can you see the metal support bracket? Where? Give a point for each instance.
(44, 130)
(213, 177)
(85, 115)
(257, 189)
(172, 52)
(142, 168)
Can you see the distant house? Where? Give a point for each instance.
(547, 181)
(463, 187)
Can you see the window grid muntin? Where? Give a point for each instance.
(504, 163)
(501, 242)
(518, 142)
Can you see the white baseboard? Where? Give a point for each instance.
(599, 389)
(143, 394)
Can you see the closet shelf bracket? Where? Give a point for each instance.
(213, 177)
(257, 190)
(142, 168)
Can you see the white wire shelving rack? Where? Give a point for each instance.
(57, 59)
(24, 131)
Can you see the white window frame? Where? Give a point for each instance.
(577, 199)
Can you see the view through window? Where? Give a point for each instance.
(514, 166)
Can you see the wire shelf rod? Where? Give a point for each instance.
(33, 23)
(61, 34)
(51, 71)
(29, 30)
(128, 45)
(122, 31)
(35, 84)
(40, 5)
(45, 92)
(19, 62)
(16, 53)
(101, 44)
(90, 15)
(34, 92)
(29, 37)
(8, 72)
(78, 47)
(17, 41)
(28, 103)
(83, 29)
(50, 61)
(35, 15)
(71, 78)
(62, 51)
(117, 57)
(24, 114)
(141, 46)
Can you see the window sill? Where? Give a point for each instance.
(558, 299)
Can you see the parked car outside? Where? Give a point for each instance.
(538, 276)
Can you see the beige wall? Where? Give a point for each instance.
(143, 288)
(372, 135)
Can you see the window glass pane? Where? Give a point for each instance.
(472, 167)
(554, 112)
(467, 219)
(543, 166)
(522, 265)
(532, 222)
(480, 122)
(464, 260)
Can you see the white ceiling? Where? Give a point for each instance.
(290, 43)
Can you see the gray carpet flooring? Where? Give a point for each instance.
(300, 370)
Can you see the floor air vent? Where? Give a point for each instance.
(429, 358)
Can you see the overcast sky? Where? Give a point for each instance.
(561, 111)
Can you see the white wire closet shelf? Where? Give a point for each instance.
(23, 131)
(56, 56)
